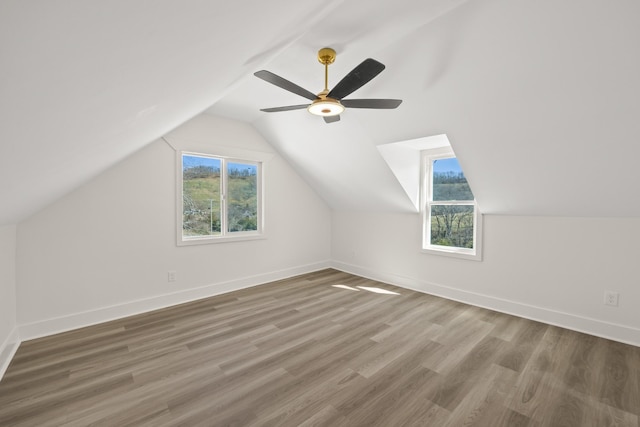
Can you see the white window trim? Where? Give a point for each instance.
(224, 236)
(475, 254)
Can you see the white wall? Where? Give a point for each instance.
(554, 269)
(104, 250)
(8, 332)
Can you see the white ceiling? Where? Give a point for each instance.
(540, 99)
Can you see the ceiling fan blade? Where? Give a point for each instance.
(331, 119)
(358, 77)
(371, 103)
(285, 84)
(287, 108)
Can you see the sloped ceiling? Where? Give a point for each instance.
(538, 98)
(83, 84)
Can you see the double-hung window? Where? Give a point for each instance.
(451, 221)
(221, 199)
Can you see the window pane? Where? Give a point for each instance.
(200, 196)
(452, 225)
(242, 206)
(449, 182)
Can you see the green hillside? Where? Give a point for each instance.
(202, 202)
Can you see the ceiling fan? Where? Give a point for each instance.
(330, 103)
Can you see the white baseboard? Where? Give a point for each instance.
(8, 349)
(78, 320)
(599, 328)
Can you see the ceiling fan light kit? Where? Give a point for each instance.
(325, 107)
(329, 103)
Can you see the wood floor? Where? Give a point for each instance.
(303, 352)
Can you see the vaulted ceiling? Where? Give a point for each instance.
(540, 99)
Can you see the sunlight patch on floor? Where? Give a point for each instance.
(367, 288)
(378, 290)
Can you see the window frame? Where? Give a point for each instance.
(225, 235)
(427, 157)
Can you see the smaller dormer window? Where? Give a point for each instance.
(451, 221)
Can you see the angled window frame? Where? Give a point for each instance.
(224, 235)
(426, 203)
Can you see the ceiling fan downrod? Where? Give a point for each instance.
(326, 56)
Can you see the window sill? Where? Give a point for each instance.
(453, 253)
(208, 240)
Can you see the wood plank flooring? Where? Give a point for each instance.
(304, 352)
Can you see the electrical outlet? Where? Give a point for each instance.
(611, 298)
(171, 276)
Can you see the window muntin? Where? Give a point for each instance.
(221, 198)
(450, 213)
